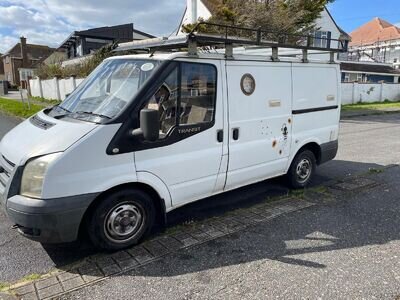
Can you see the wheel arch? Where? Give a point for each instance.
(313, 146)
(159, 203)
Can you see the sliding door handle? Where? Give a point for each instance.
(235, 134)
(220, 136)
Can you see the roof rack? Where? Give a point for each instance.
(227, 37)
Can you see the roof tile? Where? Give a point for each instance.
(374, 31)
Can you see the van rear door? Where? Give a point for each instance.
(259, 120)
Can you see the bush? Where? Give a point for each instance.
(81, 70)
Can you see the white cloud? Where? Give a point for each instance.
(51, 21)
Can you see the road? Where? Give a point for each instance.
(365, 142)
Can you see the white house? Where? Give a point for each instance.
(326, 25)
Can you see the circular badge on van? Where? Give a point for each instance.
(248, 84)
(147, 67)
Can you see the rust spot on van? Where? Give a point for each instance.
(274, 143)
(289, 121)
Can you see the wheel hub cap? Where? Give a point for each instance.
(303, 170)
(123, 221)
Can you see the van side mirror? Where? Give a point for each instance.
(150, 124)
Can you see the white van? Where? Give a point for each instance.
(145, 134)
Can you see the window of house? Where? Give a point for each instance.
(321, 39)
(187, 97)
(7, 59)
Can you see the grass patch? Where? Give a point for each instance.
(375, 171)
(31, 277)
(372, 106)
(46, 101)
(4, 286)
(297, 193)
(19, 109)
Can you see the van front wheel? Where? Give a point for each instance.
(121, 220)
(302, 169)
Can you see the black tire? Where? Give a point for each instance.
(302, 169)
(121, 220)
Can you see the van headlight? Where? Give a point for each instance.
(33, 175)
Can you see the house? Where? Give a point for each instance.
(326, 25)
(56, 57)
(2, 77)
(23, 56)
(83, 43)
(369, 72)
(376, 41)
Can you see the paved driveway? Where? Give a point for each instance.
(366, 142)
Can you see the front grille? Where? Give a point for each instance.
(6, 169)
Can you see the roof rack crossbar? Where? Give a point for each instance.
(229, 35)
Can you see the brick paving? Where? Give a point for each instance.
(99, 267)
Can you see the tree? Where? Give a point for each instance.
(285, 16)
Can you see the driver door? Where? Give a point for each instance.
(187, 156)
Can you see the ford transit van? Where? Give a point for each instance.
(145, 134)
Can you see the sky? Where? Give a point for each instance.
(351, 14)
(50, 22)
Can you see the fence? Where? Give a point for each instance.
(351, 92)
(369, 92)
(53, 88)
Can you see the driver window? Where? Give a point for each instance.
(165, 101)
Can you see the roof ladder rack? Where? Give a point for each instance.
(225, 36)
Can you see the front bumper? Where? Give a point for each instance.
(51, 220)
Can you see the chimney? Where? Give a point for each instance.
(24, 52)
(192, 6)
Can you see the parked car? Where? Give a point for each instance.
(146, 134)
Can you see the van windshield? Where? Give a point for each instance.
(108, 89)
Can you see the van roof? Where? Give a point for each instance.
(239, 55)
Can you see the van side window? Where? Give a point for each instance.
(198, 93)
(192, 88)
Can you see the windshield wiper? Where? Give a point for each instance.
(64, 109)
(92, 114)
(68, 112)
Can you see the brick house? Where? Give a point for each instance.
(23, 56)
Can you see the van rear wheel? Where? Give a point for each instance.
(121, 220)
(302, 169)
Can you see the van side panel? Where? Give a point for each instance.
(316, 104)
(263, 120)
